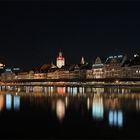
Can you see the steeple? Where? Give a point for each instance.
(60, 54)
(82, 61)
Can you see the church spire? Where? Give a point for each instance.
(60, 54)
(82, 61)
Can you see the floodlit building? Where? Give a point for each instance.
(60, 60)
(134, 67)
(97, 70)
(7, 75)
(116, 67)
(113, 66)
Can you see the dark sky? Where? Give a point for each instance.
(32, 33)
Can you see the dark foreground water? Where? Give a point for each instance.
(82, 114)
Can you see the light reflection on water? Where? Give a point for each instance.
(60, 109)
(1, 102)
(8, 101)
(102, 104)
(115, 118)
(12, 100)
(16, 102)
(97, 108)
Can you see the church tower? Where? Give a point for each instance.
(60, 60)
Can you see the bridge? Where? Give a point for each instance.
(72, 86)
(73, 82)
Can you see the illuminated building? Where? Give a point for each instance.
(53, 66)
(113, 66)
(60, 60)
(2, 66)
(97, 70)
(116, 67)
(8, 75)
(134, 66)
(40, 76)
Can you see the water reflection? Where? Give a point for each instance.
(66, 102)
(50, 89)
(75, 90)
(112, 103)
(8, 101)
(16, 102)
(1, 102)
(36, 89)
(72, 90)
(138, 104)
(60, 109)
(88, 103)
(81, 90)
(96, 104)
(61, 90)
(97, 108)
(98, 90)
(115, 118)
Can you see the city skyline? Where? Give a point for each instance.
(31, 33)
(69, 69)
(60, 61)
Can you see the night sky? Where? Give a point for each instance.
(32, 33)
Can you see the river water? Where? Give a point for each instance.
(71, 112)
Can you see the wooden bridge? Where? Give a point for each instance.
(73, 82)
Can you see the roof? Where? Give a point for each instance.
(135, 61)
(45, 67)
(114, 59)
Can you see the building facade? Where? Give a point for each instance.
(97, 70)
(114, 67)
(60, 60)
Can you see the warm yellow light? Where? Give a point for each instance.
(60, 109)
(1, 102)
